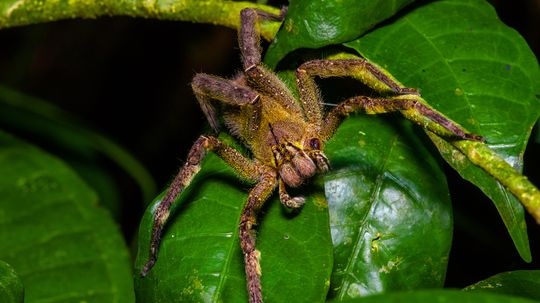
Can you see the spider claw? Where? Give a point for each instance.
(409, 91)
(295, 202)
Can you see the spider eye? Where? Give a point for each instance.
(315, 143)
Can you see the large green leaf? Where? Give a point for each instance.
(390, 209)
(81, 147)
(11, 287)
(441, 296)
(313, 24)
(64, 247)
(476, 70)
(521, 283)
(200, 258)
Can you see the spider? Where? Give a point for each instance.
(285, 136)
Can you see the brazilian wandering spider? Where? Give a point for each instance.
(286, 136)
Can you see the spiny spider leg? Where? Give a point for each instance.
(257, 75)
(257, 196)
(436, 122)
(249, 37)
(245, 167)
(376, 79)
(371, 75)
(208, 87)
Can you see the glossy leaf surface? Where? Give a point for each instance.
(200, 258)
(64, 247)
(11, 287)
(440, 296)
(390, 211)
(313, 24)
(521, 283)
(476, 70)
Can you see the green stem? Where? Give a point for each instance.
(482, 156)
(225, 13)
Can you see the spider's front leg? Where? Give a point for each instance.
(396, 97)
(245, 167)
(430, 119)
(369, 74)
(257, 196)
(208, 87)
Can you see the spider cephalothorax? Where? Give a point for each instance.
(286, 136)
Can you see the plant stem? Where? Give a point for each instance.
(225, 13)
(482, 156)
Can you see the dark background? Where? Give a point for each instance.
(129, 79)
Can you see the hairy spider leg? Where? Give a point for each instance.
(375, 78)
(208, 87)
(369, 74)
(257, 196)
(257, 75)
(246, 168)
(430, 119)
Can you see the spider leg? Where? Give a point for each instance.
(257, 75)
(245, 167)
(288, 201)
(368, 73)
(257, 196)
(208, 87)
(249, 37)
(428, 118)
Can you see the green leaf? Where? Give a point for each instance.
(63, 246)
(313, 24)
(81, 147)
(390, 209)
(440, 296)
(11, 287)
(200, 258)
(476, 70)
(521, 283)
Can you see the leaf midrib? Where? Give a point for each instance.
(226, 266)
(376, 190)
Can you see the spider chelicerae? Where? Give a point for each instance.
(286, 136)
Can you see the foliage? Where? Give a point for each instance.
(379, 222)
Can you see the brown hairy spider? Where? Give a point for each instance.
(286, 136)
